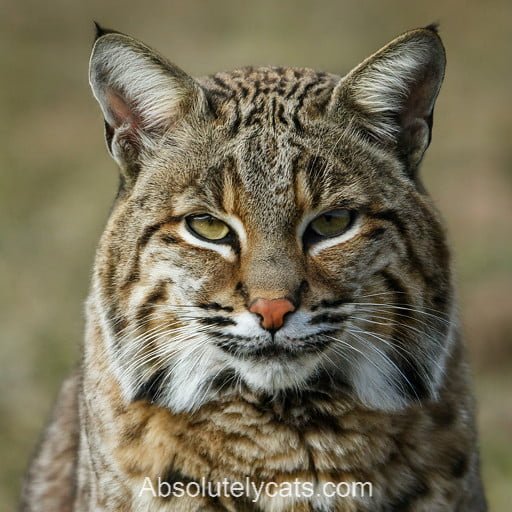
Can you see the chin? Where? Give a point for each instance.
(281, 373)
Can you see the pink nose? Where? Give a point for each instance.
(272, 312)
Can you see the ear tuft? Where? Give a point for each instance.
(434, 27)
(101, 31)
(98, 30)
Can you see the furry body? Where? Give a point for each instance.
(366, 381)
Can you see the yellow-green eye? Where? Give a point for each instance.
(207, 227)
(331, 223)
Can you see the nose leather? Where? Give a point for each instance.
(272, 312)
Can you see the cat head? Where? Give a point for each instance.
(271, 232)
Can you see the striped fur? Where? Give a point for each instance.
(366, 380)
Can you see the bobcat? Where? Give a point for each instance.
(272, 298)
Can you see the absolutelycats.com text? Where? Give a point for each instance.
(253, 491)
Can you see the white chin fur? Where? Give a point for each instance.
(373, 382)
(277, 375)
(190, 385)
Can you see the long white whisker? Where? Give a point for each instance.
(385, 357)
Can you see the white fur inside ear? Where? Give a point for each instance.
(384, 85)
(129, 84)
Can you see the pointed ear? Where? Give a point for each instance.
(142, 96)
(392, 93)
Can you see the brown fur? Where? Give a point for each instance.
(267, 148)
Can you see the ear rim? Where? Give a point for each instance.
(345, 94)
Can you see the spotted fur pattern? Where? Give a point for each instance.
(366, 381)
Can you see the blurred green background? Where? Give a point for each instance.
(57, 181)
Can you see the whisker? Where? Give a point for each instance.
(421, 333)
(428, 323)
(402, 352)
(438, 315)
(386, 358)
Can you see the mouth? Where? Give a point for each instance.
(272, 346)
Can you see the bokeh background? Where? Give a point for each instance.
(57, 181)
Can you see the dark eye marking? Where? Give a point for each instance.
(168, 239)
(150, 230)
(375, 233)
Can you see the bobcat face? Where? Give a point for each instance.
(270, 231)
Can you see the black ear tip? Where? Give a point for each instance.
(433, 27)
(101, 31)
